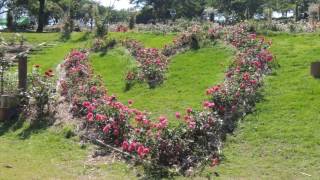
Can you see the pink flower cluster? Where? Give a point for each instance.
(238, 93)
(152, 64)
(141, 150)
(103, 112)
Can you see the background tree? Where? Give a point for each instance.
(41, 16)
(102, 18)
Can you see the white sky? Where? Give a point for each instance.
(121, 4)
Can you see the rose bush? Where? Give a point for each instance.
(152, 64)
(237, 95)
(41, 92)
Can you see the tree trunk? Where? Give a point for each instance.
(318, 12)
(297, 12)
(41, 17)
(91, 24)
(10, 20)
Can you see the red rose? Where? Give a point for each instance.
(189, 110)
(125, 145)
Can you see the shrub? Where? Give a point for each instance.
(97, 44)
(169, 50)
(131, 78)
(152, 64)
(190, 39)
(104, 44)
(67, 27)
(121, 28)
(42, 92)
(133, 46)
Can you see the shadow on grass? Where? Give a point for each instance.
(103, 52)
(13, 124)
(84, 37)
(36, 126)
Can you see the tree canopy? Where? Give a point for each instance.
(41, 12)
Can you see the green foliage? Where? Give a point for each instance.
(42, 93)
(67, 28)
(100, 19)
(103, 44)
(145, 15)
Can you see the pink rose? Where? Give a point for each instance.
(90, 117)
(101, 117)
(106, 129)
(178, 116)
(86, 104)
(93, 89)
(116, 132)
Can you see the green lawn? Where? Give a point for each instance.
(52, 56)
(148, 39)
(189, 75)
(280, 140)
(46, 154)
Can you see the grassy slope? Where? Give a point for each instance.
(46, 154)
(51, 57)
(148, 39)
(281, 140)
(278, 141)
(189, 75)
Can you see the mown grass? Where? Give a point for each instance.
(45, 155)
(281, 139)
(50, 57)
(189, 75)
(30, 153)
(148, 39)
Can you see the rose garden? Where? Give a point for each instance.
(105, 94)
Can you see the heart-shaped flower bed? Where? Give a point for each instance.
(151, 142)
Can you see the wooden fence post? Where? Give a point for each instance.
(315, 69)
(23, 70)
